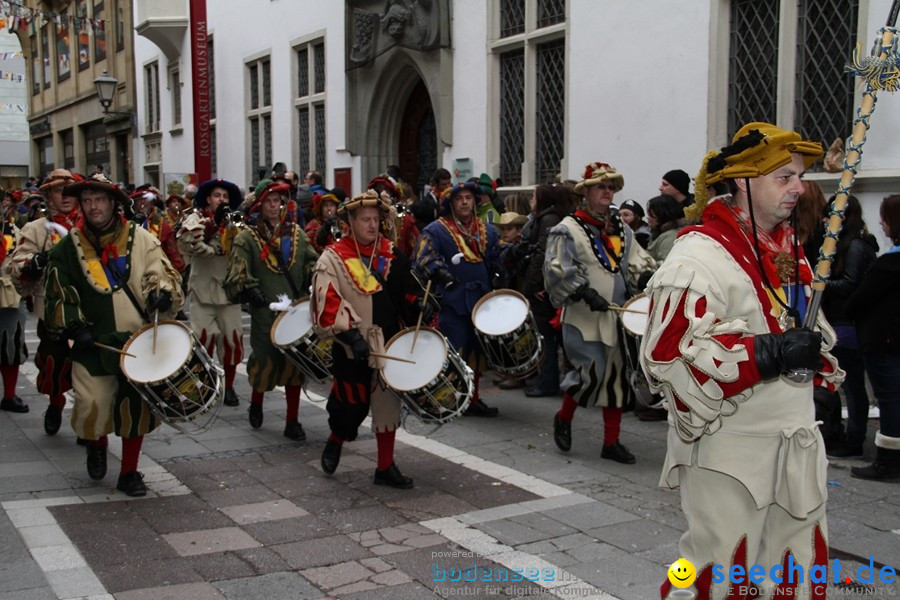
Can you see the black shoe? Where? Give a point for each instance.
(294, 431)
(844, 450)
(52, 420)
(13, 404)
(480, 409)
(256, 415)
(132, 484)
(96, 461)
(231, 398)
(82, 442)
(536, 392)
(618, 453)
(181, 316)
(393, 477)
(331, 457)
(562, 433)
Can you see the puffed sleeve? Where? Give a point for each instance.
(159, 274)
(563, 275)
(331, 313)
(239, 274)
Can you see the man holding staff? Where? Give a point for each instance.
(363, 293)
(105, 280)
(723, 336)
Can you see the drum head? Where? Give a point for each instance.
(173, 348)
(636, 322)
(430, 356)
(292, 324)
(500, 313)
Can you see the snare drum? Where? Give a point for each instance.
(507, 332)
(179, 382)
(635, 321)
(635, 325)
(292, 333)
(438, 387)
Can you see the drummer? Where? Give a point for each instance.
(461, 253)
(101, 286)
(269, 262)
(363, 293)
(590, 259)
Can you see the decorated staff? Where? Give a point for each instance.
(880, 73)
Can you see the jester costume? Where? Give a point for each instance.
(12, 322)
(743, 442)
(253, 263)
(215, 319)
(54, 367)
(159, 226)
(464, 261)
(85, 286)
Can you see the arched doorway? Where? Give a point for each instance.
(417, 144)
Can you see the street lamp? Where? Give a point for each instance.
(106, 89)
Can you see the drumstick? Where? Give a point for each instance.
(630, 310)
(419, 322)
(389, 357)
(111, 349)
(156, 318)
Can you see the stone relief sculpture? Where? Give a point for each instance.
(414, 24)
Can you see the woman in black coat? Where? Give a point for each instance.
(550, 204)
(874, 308)
(855, 253)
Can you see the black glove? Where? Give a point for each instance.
(35, 267)
(255, 298)
(595, 301)
(219, 216)
(644, 279)
(445, 278)
(777, 353)
(161, 302)
(523, 250)
(358, 346)
(324, 232)
(426, 309)
(82, 338)
(498, 280)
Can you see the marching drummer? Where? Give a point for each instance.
(363, 293)
(461, 253)
(269, 262)
(204, 238)
(590, 258)
(105, 280)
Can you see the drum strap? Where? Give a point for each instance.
(284, 271)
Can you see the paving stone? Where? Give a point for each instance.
(634, 536)
(179, 522)
(194, 591)
(220, 565)
(145, 574)
(360, 519)
(238, 496)
(273, 586)
(259, 512)
(375, 564)
(320, 552)
(623, 575)
(43, 535)
(290, 530)
(82, 513)
(588, 516)
(406, 591)
(21, 573)
(170, 505)
(117, 541)
(30, 468)
(385, 549)
(263, 560)
(334, 501)
(206, 541)
(58, 558)
(391, 578)
(41, 593)
(359, 586)
(337, 575)
(72, 583)
(437, 504)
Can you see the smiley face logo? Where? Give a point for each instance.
(682, 573)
